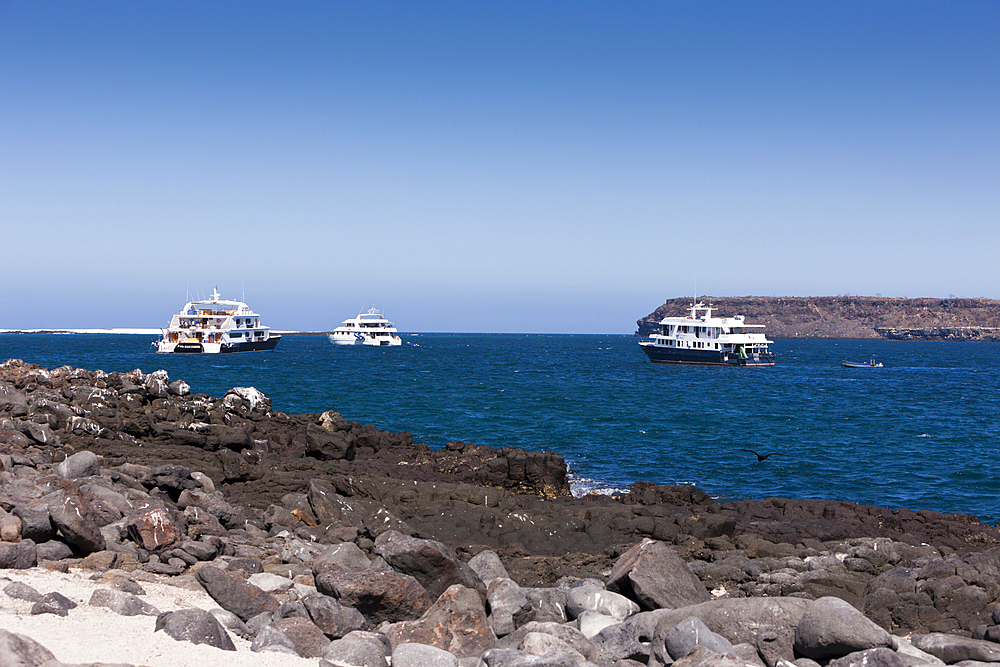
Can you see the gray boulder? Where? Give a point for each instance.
(333, 618)
(19, 555)
(877, 657)
(952, 648)
(629, 640)
(234, 594)
(270, 638)
(81, 464)
(122, 603)
(549, 604)
(35, 523)
(53, 603)
(831, 628)
(343, 556)
(196, 626)
(358, 649)
(422, 655)
(308, 639)
(506, 657)
(22, 591)
(428, 561)
(21, 651)
(232, 623)
(652, 574)
(488, 566)
(740, 620)
(693, 632)
(591, 598)
(568, 637)
(509, 607)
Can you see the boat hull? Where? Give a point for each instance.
(195, 347)
(253, 346)
(667, 355)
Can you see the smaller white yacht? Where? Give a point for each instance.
(216, 325)
(702, 339)
(369, 328)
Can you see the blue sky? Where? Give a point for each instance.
(491, 166)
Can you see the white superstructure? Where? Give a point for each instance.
(371, 328)
(216, 325)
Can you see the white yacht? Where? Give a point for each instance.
(700, 338)
(369, 328)
(216, 325)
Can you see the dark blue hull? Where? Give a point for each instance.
(671, 355)
(253, 346)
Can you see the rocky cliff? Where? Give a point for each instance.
(851, 316)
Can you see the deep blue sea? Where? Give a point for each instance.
(919, 433)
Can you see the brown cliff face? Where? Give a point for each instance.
(851, 316)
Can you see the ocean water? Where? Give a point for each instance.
(920, 433)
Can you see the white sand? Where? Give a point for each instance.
(97, 634)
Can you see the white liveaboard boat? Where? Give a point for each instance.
(214, 326)
(371, 328)
(700, 338)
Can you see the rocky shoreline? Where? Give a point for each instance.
(332, 540)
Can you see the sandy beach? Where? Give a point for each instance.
(97, 634)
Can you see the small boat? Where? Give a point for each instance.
(213, 326)
(369, 328)
(858, 364)
(702, 339)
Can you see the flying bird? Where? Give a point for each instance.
(761, 457)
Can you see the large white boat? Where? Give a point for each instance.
(216, 325)
(700, 338)
(369, 328)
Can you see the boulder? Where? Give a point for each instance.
(422, 655)
(309, 640)
(655, 576)
(122, 603)
(19, 555)
(196, 626)
(428, 561)
(380, 595)
(591, 598)
(269, 638)
(952, 648)
(81, 464)
(832, 628)
(53, 603)
(692, 632)
(533, 637)
(343, 556)
(333, 618)
(154, 529)
(877, 657)
(71, 514)
(509, 606)
(488, 566)
(456, 623)
(20, 651)
(234, 594)
(357, 649)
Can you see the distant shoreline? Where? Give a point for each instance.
(145, 332)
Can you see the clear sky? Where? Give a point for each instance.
(512, 166)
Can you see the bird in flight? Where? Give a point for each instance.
(761, 457)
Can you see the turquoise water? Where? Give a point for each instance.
(920, 433)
